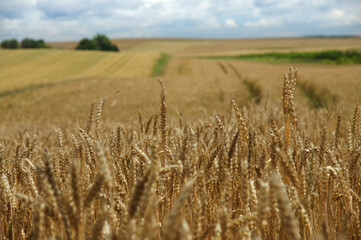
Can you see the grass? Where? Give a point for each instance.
(324, 57)
(160, 65)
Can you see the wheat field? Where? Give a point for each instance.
(93, 147)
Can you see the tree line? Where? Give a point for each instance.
(98, 42)
(25, 43)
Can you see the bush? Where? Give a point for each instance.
(31, 43)
(11, 43)
(99, 42)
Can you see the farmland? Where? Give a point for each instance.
(93, 144)
(37, 80)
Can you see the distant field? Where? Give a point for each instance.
(44, 85)
(23, 67)
(206, 47)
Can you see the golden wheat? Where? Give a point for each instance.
(235, 176)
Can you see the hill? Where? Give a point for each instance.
(46, 85)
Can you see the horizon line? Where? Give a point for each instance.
(215, 38)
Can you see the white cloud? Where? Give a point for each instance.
(210, 22)
(337, 13)
(230, 23)
(355, 19)
(256, 12)
(262, 23)
(74, 19)
(337, 17)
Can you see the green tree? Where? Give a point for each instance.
(31, 43)
(104, 43)
(99, 42)
(40, 43)
(10, 43)
(87, 44)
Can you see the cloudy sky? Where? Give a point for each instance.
(58, 20)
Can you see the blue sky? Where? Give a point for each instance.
(59, 20)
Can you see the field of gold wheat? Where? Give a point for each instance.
(97, 146)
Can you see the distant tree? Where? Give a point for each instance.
(31, 43)
(104, 43)
(99, 42)
(10, 43)
(87, 44)
(28, 43)
(40, 43)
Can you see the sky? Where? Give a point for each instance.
(66, 20)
